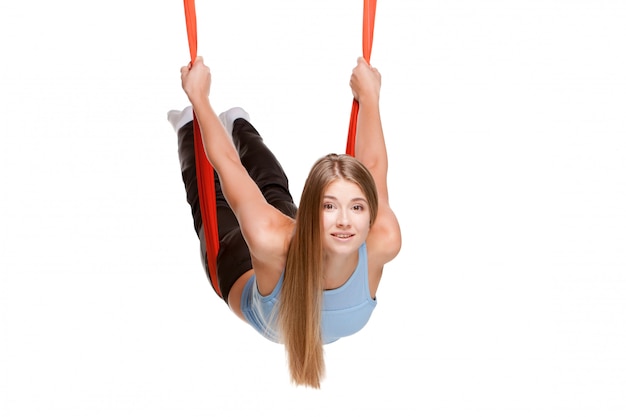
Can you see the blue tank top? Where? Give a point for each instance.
(345, 310)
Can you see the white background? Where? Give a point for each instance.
(505, 128)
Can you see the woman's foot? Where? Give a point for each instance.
(229, 116)
(179, 118)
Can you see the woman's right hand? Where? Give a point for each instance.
(365, 82)
(196, 80)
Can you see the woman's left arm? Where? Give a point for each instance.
(371, 150)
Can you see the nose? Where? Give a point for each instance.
(343, 220)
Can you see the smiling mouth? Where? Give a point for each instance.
(342, 235)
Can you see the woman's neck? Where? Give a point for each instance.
(338, 269)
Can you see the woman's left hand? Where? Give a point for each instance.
(365, 82)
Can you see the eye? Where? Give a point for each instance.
(328, 206)
(358, 207)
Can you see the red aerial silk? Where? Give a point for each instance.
(369, 15)
(204, 170)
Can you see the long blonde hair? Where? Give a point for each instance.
(300, 307)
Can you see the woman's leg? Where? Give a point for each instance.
(238, 259)
(259, 161)
(233, 259)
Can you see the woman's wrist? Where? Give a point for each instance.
(370, 101)
(198, 101)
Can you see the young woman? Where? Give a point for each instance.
(300, 276)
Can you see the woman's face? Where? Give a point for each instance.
(346, 217)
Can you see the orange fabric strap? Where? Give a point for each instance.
(204, 170)
(369, 15)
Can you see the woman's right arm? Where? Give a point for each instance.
(256, 217)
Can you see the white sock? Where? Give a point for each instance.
(229, 116)
(179, 118)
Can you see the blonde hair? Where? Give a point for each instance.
(300, 307)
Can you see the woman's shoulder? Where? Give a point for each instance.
(385, 238)
(268, 238)
(268, 249)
